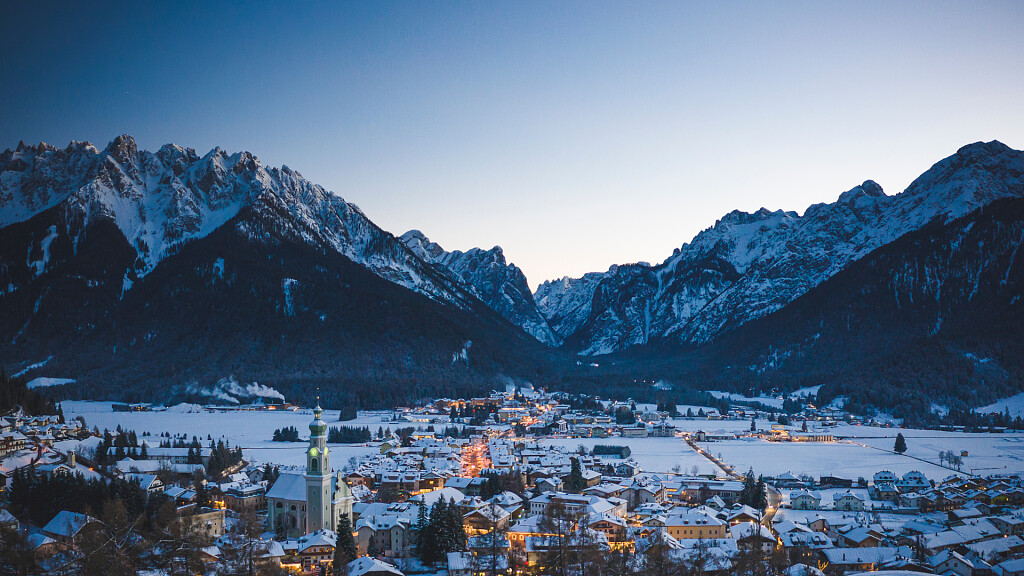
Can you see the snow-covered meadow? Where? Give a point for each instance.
(252, 430)
(652, 454)
(859, 451)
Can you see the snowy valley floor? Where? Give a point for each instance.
(859, 451)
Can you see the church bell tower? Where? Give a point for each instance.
(318, 476)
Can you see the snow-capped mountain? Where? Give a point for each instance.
(500, 285)
(749, 265)
(145, 273)
(907, 326)
(566, 302)
(163, 200)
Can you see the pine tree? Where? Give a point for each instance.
(575, 483)
(345, 549)
(202, 496)
(455, 529)
(753, 424)
(761, 494)
(901, 444)
(430, 546)
(421, 529)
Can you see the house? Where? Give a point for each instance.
(310, 552)
(859, 537)
(246, 498)
(884, 491)
(885, 477)
(848, 501)
(148, 482)
(205, 522)
(753, 536)
(694, 525)
(835, 482)
(486, 518)
(1014, 567)
(66, 527)
(7, 520)
(952, 563)
(803, 546)
(913, 481)
(389, 535)
(859, 558)
(805, 500)
(743, 513)
(634, 431)
(1008, 525)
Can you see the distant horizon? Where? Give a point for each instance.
(575, 135)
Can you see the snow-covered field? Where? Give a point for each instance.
(1015, 405)
(774, 402)
(43, 382)
(860, 451)
(652, 454)
(250, 430)
(816, 459)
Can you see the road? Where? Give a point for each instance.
(774, 496)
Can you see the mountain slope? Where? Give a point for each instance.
(161, 201)
(934, 317)
(749, 265)
(170, 270)
(500, 285)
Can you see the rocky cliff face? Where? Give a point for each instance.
(175, 266)
(499, 284)
(749, 265)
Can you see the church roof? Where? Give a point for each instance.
(289, 486)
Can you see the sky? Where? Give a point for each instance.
(576, 135)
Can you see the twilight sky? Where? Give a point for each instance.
(574, 135)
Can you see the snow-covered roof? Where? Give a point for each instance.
(67, 524)
(289, 486)
(367, 565)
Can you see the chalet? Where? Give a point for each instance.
(848, 501)
(486, 518)
(66, 527)
(913, 481)
(753, 536)
(805, 500)
(803, 546)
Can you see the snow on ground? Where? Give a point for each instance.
(43, 382)
(652, 454)
(774, 402)
(828, 494)
(859, 451)
(815, 459)
(986, 453)
(31, 367)
(889, 520)
(805, 392)
(252, 430)
(1015, 404)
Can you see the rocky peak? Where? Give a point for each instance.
(122, 149)
(500, 285)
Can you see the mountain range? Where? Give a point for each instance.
(169, 270)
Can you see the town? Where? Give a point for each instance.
(474, 486)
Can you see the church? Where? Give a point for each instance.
(299, 504)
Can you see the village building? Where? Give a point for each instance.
(300, 504)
